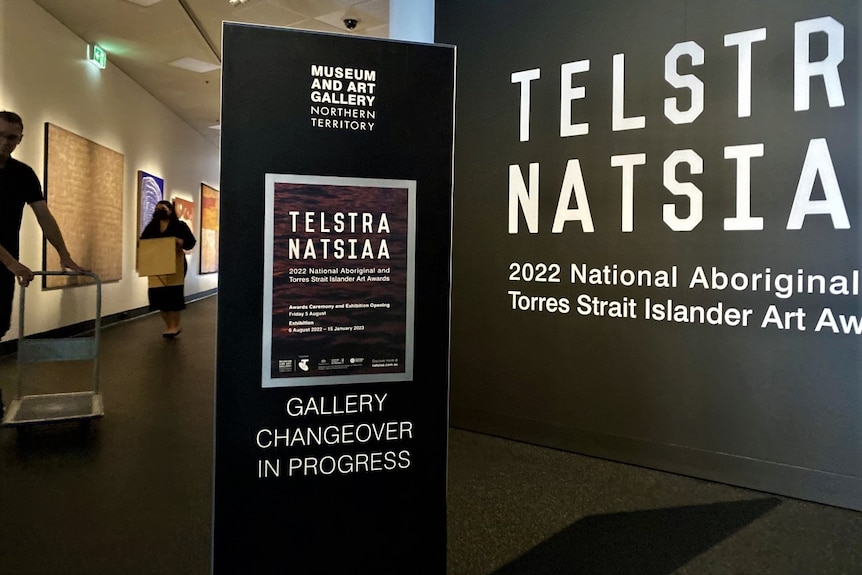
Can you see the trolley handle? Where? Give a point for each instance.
(97, 284)
(93, 275)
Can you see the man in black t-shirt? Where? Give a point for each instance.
(19, 185)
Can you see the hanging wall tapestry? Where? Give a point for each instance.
(151, 190)
(185, 210)
(84, 189)
(209, 229)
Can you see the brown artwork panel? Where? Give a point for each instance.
(185, 210)
(209, 229)
(84, 189)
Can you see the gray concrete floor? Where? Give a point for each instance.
(131, 493)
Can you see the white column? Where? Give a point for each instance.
(411, 20)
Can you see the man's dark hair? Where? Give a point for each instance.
(12, 118)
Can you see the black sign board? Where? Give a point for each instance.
(333, 328)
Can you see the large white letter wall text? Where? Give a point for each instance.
(682, 203)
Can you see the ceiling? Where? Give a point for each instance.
(143, 37)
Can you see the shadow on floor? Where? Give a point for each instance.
(651, 542)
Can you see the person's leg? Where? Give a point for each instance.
(7, 294)
(177, 305)
(166, 317)
(172, 323)
(174, 319)
(172, 304)
(156, 300)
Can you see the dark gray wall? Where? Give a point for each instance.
(773, 405)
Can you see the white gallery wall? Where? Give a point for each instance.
(44, 77)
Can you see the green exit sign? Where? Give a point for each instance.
(97, 56)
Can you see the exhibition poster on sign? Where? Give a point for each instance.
(338, 280)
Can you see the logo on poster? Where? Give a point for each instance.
(343, 98)
(285, 365)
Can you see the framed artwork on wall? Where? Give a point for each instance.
(84, 188)
(151, 190)
(185, 210)
(209, 229)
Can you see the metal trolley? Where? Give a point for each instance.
(56, 407)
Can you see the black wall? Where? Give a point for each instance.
(774, 404)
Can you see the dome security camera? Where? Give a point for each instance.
(350, 23)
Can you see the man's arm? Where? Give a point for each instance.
(22, 272)
(52, 232)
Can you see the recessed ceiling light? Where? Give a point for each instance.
(144, 2)
(236, 2)
(194, 65)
